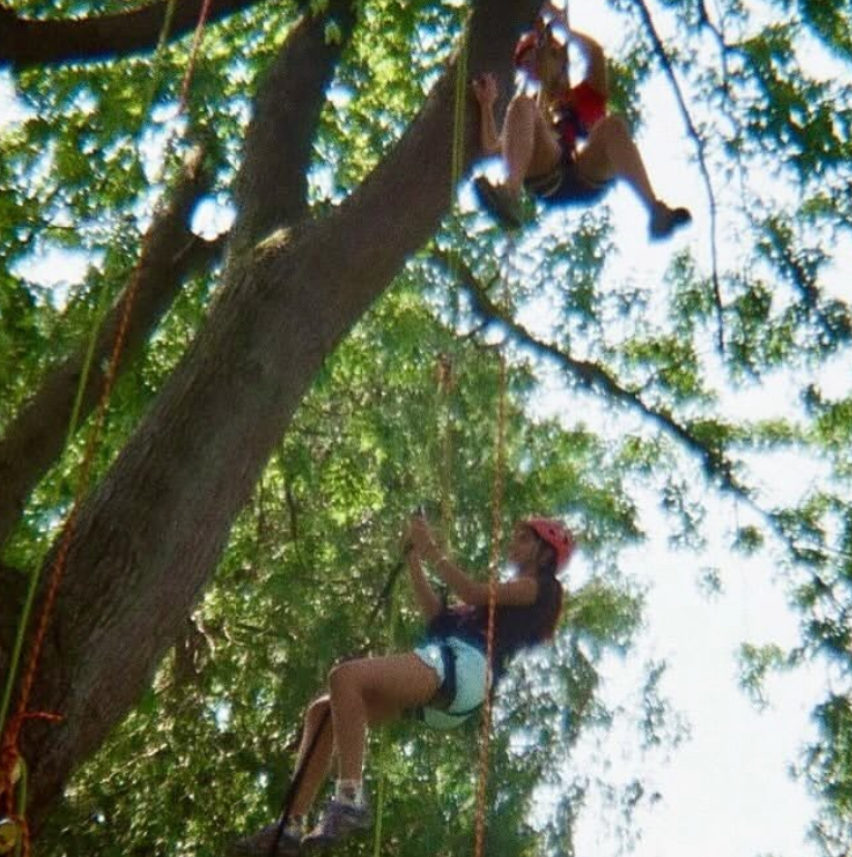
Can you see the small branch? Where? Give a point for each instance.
(660, 51)
(597, 379)
(594, 377)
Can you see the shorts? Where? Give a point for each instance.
(470, 669)
(564, 184)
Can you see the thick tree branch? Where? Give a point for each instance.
(35, 438)
(25, 42)
(271, 187)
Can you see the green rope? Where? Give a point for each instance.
(22, 805)
(448, 367)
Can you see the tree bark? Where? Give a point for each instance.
(148, 537)
(36, 437)
(26, 42)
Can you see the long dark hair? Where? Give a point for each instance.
(523, 627)
(549, 600)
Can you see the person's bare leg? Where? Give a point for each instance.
(529, 146)
(319, 764)
(611, 153)
(369, 691)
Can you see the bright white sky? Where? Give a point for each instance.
(726, 791)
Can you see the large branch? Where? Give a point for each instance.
(149, 536)
(593, 377)
(26, 42)
(35, 438)
(271, 187)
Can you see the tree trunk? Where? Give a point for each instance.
(149, 536)
(271, 189)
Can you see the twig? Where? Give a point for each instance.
(660, 51)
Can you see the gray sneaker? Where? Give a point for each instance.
(261, 843)
(339, 821)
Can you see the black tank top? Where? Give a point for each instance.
(516, 628)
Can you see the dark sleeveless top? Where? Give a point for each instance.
(516, 628)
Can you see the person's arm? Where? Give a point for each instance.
(520, 592)
(485, 90)
(596, 73)
(427, 600)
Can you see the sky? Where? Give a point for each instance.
(727, 789)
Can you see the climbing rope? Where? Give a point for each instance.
(383, 750)
(13, 771)
(496, 541)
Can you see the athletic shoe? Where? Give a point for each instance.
(260, 844)
(665, 220)
(339, 821)
(500, 203)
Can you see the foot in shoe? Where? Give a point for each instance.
(261, 843)
(665, 220)
(339, 821)
(503, 205)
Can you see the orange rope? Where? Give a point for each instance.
(10, 753)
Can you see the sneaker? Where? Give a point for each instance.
(500, 203)
(665, 220)
(339, 821)
(262, 843)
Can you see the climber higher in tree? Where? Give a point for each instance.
(562, 146)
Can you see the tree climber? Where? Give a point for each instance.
(539, 141)
(442, 682)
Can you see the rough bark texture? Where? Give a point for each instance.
(149, 536)
(35, 438)
(26, 42)
(13, 589)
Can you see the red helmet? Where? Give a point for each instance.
(556, 534)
